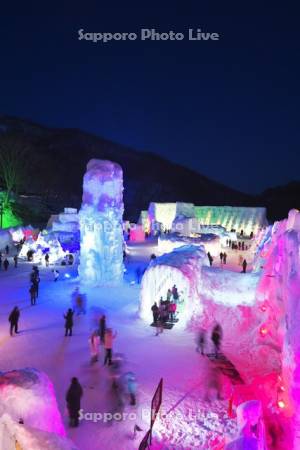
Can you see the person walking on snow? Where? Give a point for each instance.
(14, 320)
(94, 342)
(32, 292)
(5, 264)
(55, 274)
(73, 398)
(216, 337)
(16, 261)
(102, 328)
(47, 259)
(201, 342)
(131, 387)
(35, 279)
(210, 259)
(108, 343)
(244, 266)
(69, 322)
(224, 258)
(155, 312)
(221, 257)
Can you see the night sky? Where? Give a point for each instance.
(226, 108)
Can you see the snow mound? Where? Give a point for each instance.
(29, 438)
(28, 394)
(229, 288)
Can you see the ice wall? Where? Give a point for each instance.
(100, 216)
(280, 290)
(67, 221)
(168, 242)
(231, 217)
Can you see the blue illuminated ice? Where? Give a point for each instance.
(100, 217)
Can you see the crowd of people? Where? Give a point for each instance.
(237, 245)
(123, 385)
(4, 258)
(166, 310)
(223, 260)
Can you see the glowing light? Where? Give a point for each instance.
(281, 404)
(263, 330)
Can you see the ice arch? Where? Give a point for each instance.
(181, 267)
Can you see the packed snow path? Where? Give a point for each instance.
(41, 344)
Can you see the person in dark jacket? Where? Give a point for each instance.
(210, 258)
(73, 398)
(35, 279)
(32, 293)
(216, 337)
(47, 259)
(14, 320)
(5, 264)
(244, 266)
(69, 322)
(155, 312)
(102, 328)
(16, 261)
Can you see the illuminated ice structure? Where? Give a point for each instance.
(233, 217)
(66, 222)
(279, 292)
(101, 249)
(165, 213)
(168, 242)
(182, 267)
(28, 396)
(230, 217)
(45, 243)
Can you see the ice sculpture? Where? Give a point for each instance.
(230, 217)
(239, 218)
(100, 217)
(45, 243)
(181, 267)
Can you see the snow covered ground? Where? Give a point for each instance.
(41, 344)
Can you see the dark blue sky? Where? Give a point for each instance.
(227, 108)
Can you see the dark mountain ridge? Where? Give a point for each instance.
(56, 161)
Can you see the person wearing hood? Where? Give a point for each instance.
(73, 398)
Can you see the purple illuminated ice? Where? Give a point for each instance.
(101, 216)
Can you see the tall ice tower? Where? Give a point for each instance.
(101, 226)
